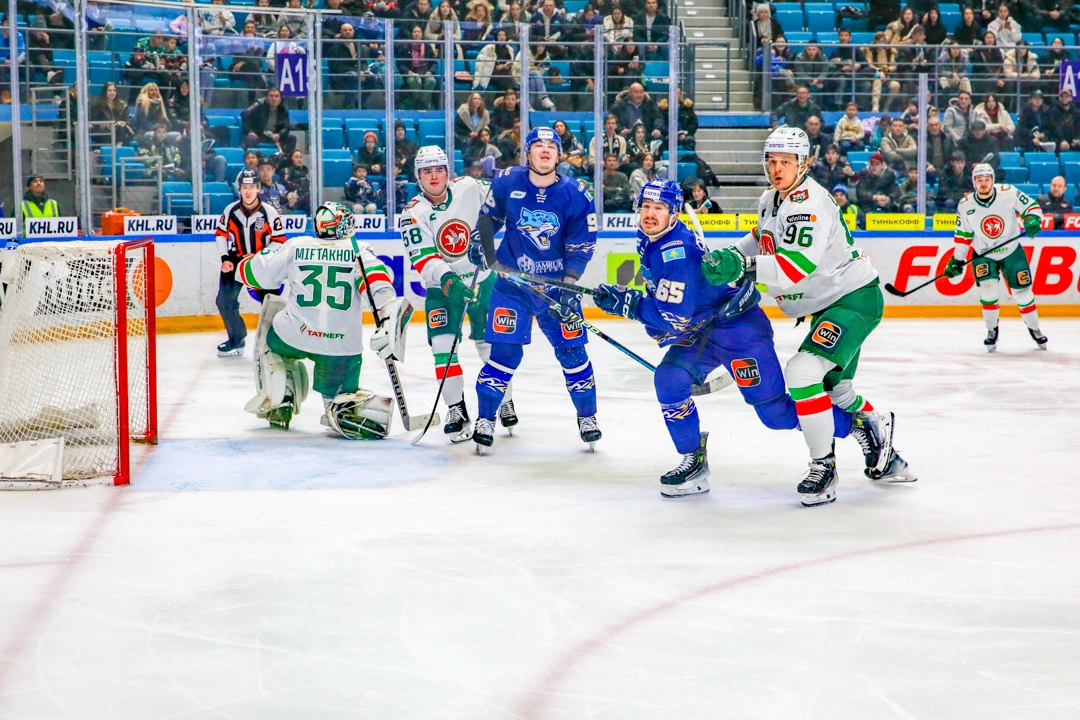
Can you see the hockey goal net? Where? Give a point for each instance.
(77, 356)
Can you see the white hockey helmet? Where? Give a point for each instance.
(430, 156)
(980, 170)
(787, 140)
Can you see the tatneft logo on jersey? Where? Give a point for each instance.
(572, 330)
(746, 372)
(827, 334)
(504, 320)
(305, 330)
(539, 226)
(993, 226)
(453, 238)
(437, 318)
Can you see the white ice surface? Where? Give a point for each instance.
(542, 581)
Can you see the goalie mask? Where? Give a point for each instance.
(333, 221)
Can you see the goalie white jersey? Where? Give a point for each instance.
(981, 225)
(437, 237)
(323, 291)
(806, 257)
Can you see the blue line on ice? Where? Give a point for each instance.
(286, 464)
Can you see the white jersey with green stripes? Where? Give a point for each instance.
(323, 290)
(437, 237)
(806, 257)
(982, 224)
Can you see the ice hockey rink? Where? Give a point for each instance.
(250, 573)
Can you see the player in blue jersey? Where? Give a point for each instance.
(706, 326)
(550, 226)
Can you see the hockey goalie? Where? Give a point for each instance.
(318, 318)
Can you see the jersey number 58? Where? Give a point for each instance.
(670, 291)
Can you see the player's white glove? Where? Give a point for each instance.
(381, 343)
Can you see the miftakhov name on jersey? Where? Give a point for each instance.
(319, 254)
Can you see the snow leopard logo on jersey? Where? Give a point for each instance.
(539, 226)
(993, 226)
(453, 238)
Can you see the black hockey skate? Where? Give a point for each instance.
(281, 416)
(589, 430)
(457, 423)
(818, 486)
(874, 432)
(507, 416)
(483, 434)
(896, 471)
(691, 477)
(1038, 337)
(227, 350)
(991, 340)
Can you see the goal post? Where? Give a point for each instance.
(78, 363)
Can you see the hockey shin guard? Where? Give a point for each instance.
(805, 374)
(580, 382)
(495, 376)
(988, 298)
(483, 349)
(1029, 312)
(454, 387)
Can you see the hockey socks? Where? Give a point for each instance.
(580, 382)
(988, 298)
(681, 419)
(495, 376)
(815, 410)
(454, 387)
(1029, 311)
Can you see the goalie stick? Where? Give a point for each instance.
(409, 421)
(904, 293)
(714, 384)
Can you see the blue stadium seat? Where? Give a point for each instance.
(1069, 158)
(1029, 188)
(338, 154)
(333, 138)
(1012, 159)
(176, 198)
(431, 127)
(818, 7)
(657, 70)
(1015, 174)
(1041, 159)
(1032, 38)
(1043, 173)
(861, 37)
(1072, 173)
(828, 38)
(951, 20)
(336, 173)
(790, 18)
(819, 21)
(575, 6)
(215, 203)
(859, 155)
(798, 38)
(107, 153)
(686, 170)
(232, 155)
(949, 7)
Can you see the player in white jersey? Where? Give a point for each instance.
(803, 255)
(318, 317)
(985, 219)
(436, 227)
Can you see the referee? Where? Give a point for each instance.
(245, 228)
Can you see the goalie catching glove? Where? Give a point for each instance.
(361, 415)
(388, 341)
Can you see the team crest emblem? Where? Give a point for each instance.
(799, 196)
(539, 226)
(993, 226)
(767, 243)
(827, 334)
(453, 238)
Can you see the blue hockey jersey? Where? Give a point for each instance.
(679, 301)
(549, 231)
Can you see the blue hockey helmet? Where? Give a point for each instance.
(662, 190)
(542, 133)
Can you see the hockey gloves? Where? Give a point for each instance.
(954, 268)
(721, 267)
(618, 300)
(455, 290)
(476, 254)
(1032, 225)
(568, 308)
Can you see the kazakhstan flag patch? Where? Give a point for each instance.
(677, 253)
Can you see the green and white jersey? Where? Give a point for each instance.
(806, 257)
(982, 224)
(437, 237)
(323, 290)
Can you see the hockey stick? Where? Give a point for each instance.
(904, 293)
(714, 384)
(450, 360)
(515, 274)
(411, 423)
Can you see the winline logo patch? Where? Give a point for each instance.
(827, 334)
(504, 320)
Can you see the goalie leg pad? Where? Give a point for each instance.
(361, 415)
(396, 316)
(266, 396)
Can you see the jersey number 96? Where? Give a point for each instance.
(804, 238)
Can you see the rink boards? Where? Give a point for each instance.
(187, 273)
